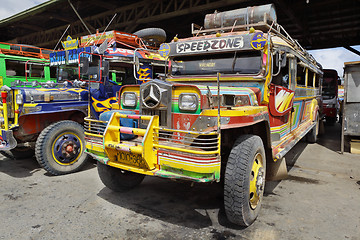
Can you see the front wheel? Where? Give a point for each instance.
(245, 180)
(59, 148)
(117, 179)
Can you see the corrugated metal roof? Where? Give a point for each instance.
(29, 12)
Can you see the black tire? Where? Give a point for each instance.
(245, 180)
(7, 154)
(311, 137)
(60, 147)
(19, 153)
(330, 121)
(117, 179)
(155, 35)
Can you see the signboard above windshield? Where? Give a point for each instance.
(210, 45)
(207, 45)
(69, 56)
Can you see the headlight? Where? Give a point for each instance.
(188, 101)
(19, 99)
(242, 101)
(129, 99)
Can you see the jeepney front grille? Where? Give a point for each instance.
(94, 131)
(163, 119)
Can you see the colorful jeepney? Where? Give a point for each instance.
(47, 118)
(24, 63)
(238, 96)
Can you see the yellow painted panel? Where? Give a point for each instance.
(189, 166)
(235, 112)
(94, 147)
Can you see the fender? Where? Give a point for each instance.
(314, 107)
(30, 124)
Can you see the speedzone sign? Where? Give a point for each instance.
(210, 45)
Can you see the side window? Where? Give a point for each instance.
(310, 82)
(317, 80)
(35, 70)
(15, 68)
(282, 78)
(53, 72)
(300, 75)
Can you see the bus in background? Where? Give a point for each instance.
(330, 95)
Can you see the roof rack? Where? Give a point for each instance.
(264, 26)
(24, 50)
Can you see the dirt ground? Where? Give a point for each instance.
(319, 200)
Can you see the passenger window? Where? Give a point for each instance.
(35, 70)
(310, 82)
(15, 68)
(300, 76)
(317, 80)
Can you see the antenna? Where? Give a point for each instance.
(110, 22)
(61, 37)
(77, 14)
(107, 27)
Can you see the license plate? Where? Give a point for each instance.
(135, 160)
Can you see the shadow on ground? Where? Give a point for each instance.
(331, 139)
(182, 203)
(22, 168)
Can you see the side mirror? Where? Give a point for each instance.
(280, 59)
(105, 68)
(137, 63)
(84, 65)
(283, 61)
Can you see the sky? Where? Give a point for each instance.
(329, 58)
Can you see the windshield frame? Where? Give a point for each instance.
(231, 56)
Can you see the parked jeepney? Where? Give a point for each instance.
(238, 96)
(25, 63)
(46, 118)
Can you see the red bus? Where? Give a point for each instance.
(330, 95)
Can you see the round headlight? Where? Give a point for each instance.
(129, 99)
(188, 102)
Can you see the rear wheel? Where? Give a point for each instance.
(7, 154)
(60, 148)
(117, 179)
(245, 180)
(19, 153)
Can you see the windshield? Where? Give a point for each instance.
(228, 63)
(67, 73)
(329, 88)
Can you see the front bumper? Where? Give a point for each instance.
(7, 140)
(157, 151)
